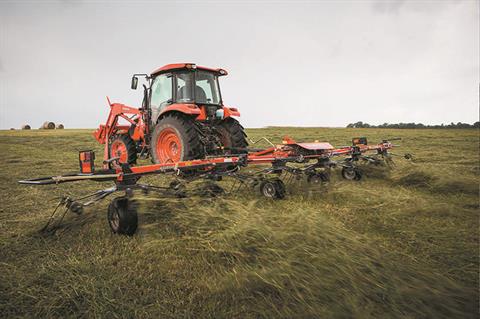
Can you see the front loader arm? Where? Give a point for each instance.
(111, 127)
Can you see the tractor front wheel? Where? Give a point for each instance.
(124, 147)
(175, 139)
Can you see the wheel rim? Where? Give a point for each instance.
(269, 190)
(115, 220)
(119, 149)
(315, 179)
(169, 146)
(349, 174)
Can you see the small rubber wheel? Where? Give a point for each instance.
(358, 175)
(325, 176)
(281, 189)
(122, 216)
(318, 178)
(76, 208)
(274, 189)
(351, 174)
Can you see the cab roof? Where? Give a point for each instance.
(176, 66)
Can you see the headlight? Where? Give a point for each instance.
(219, 114)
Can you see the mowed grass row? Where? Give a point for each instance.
(399, 243)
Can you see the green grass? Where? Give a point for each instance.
(398, 244)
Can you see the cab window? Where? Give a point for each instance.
(206, 89)
(161, 91)
(184, 82)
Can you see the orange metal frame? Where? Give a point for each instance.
(267, 156)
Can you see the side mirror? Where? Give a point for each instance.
(134, 83)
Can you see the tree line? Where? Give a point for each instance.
(414, 125)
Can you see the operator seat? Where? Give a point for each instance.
(200, 95)
(183, 93)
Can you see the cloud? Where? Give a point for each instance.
(388, 6)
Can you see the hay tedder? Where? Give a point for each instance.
(190, 136)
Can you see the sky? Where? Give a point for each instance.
(290, 63)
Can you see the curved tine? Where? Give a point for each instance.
(61, 202)
(99, 195)
(61, 218)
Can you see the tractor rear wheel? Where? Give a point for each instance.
(175, 139)
(232, 136)
(124, 147)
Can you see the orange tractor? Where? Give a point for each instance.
(182, 118)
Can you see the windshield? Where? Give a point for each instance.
(205, 88)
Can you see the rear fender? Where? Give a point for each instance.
(230, 111)
(190, 109)
(187, 109)
(194, 110)
(227, 112)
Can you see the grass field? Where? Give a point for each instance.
(398, 244)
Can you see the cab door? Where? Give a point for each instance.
(162, 94)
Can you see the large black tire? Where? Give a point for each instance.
(131, 150)
(122, 216)
(233, 136)
(184, 127)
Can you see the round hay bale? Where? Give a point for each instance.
(60, 127)
(26, 127)
(48, 126)
(12, 129)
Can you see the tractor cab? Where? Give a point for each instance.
(184, 87)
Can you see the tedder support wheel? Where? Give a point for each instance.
(124, 147)
(351, 174)
(273, 188)
(318, 178)
(175, 139)
(232, 135)
(122, 216)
